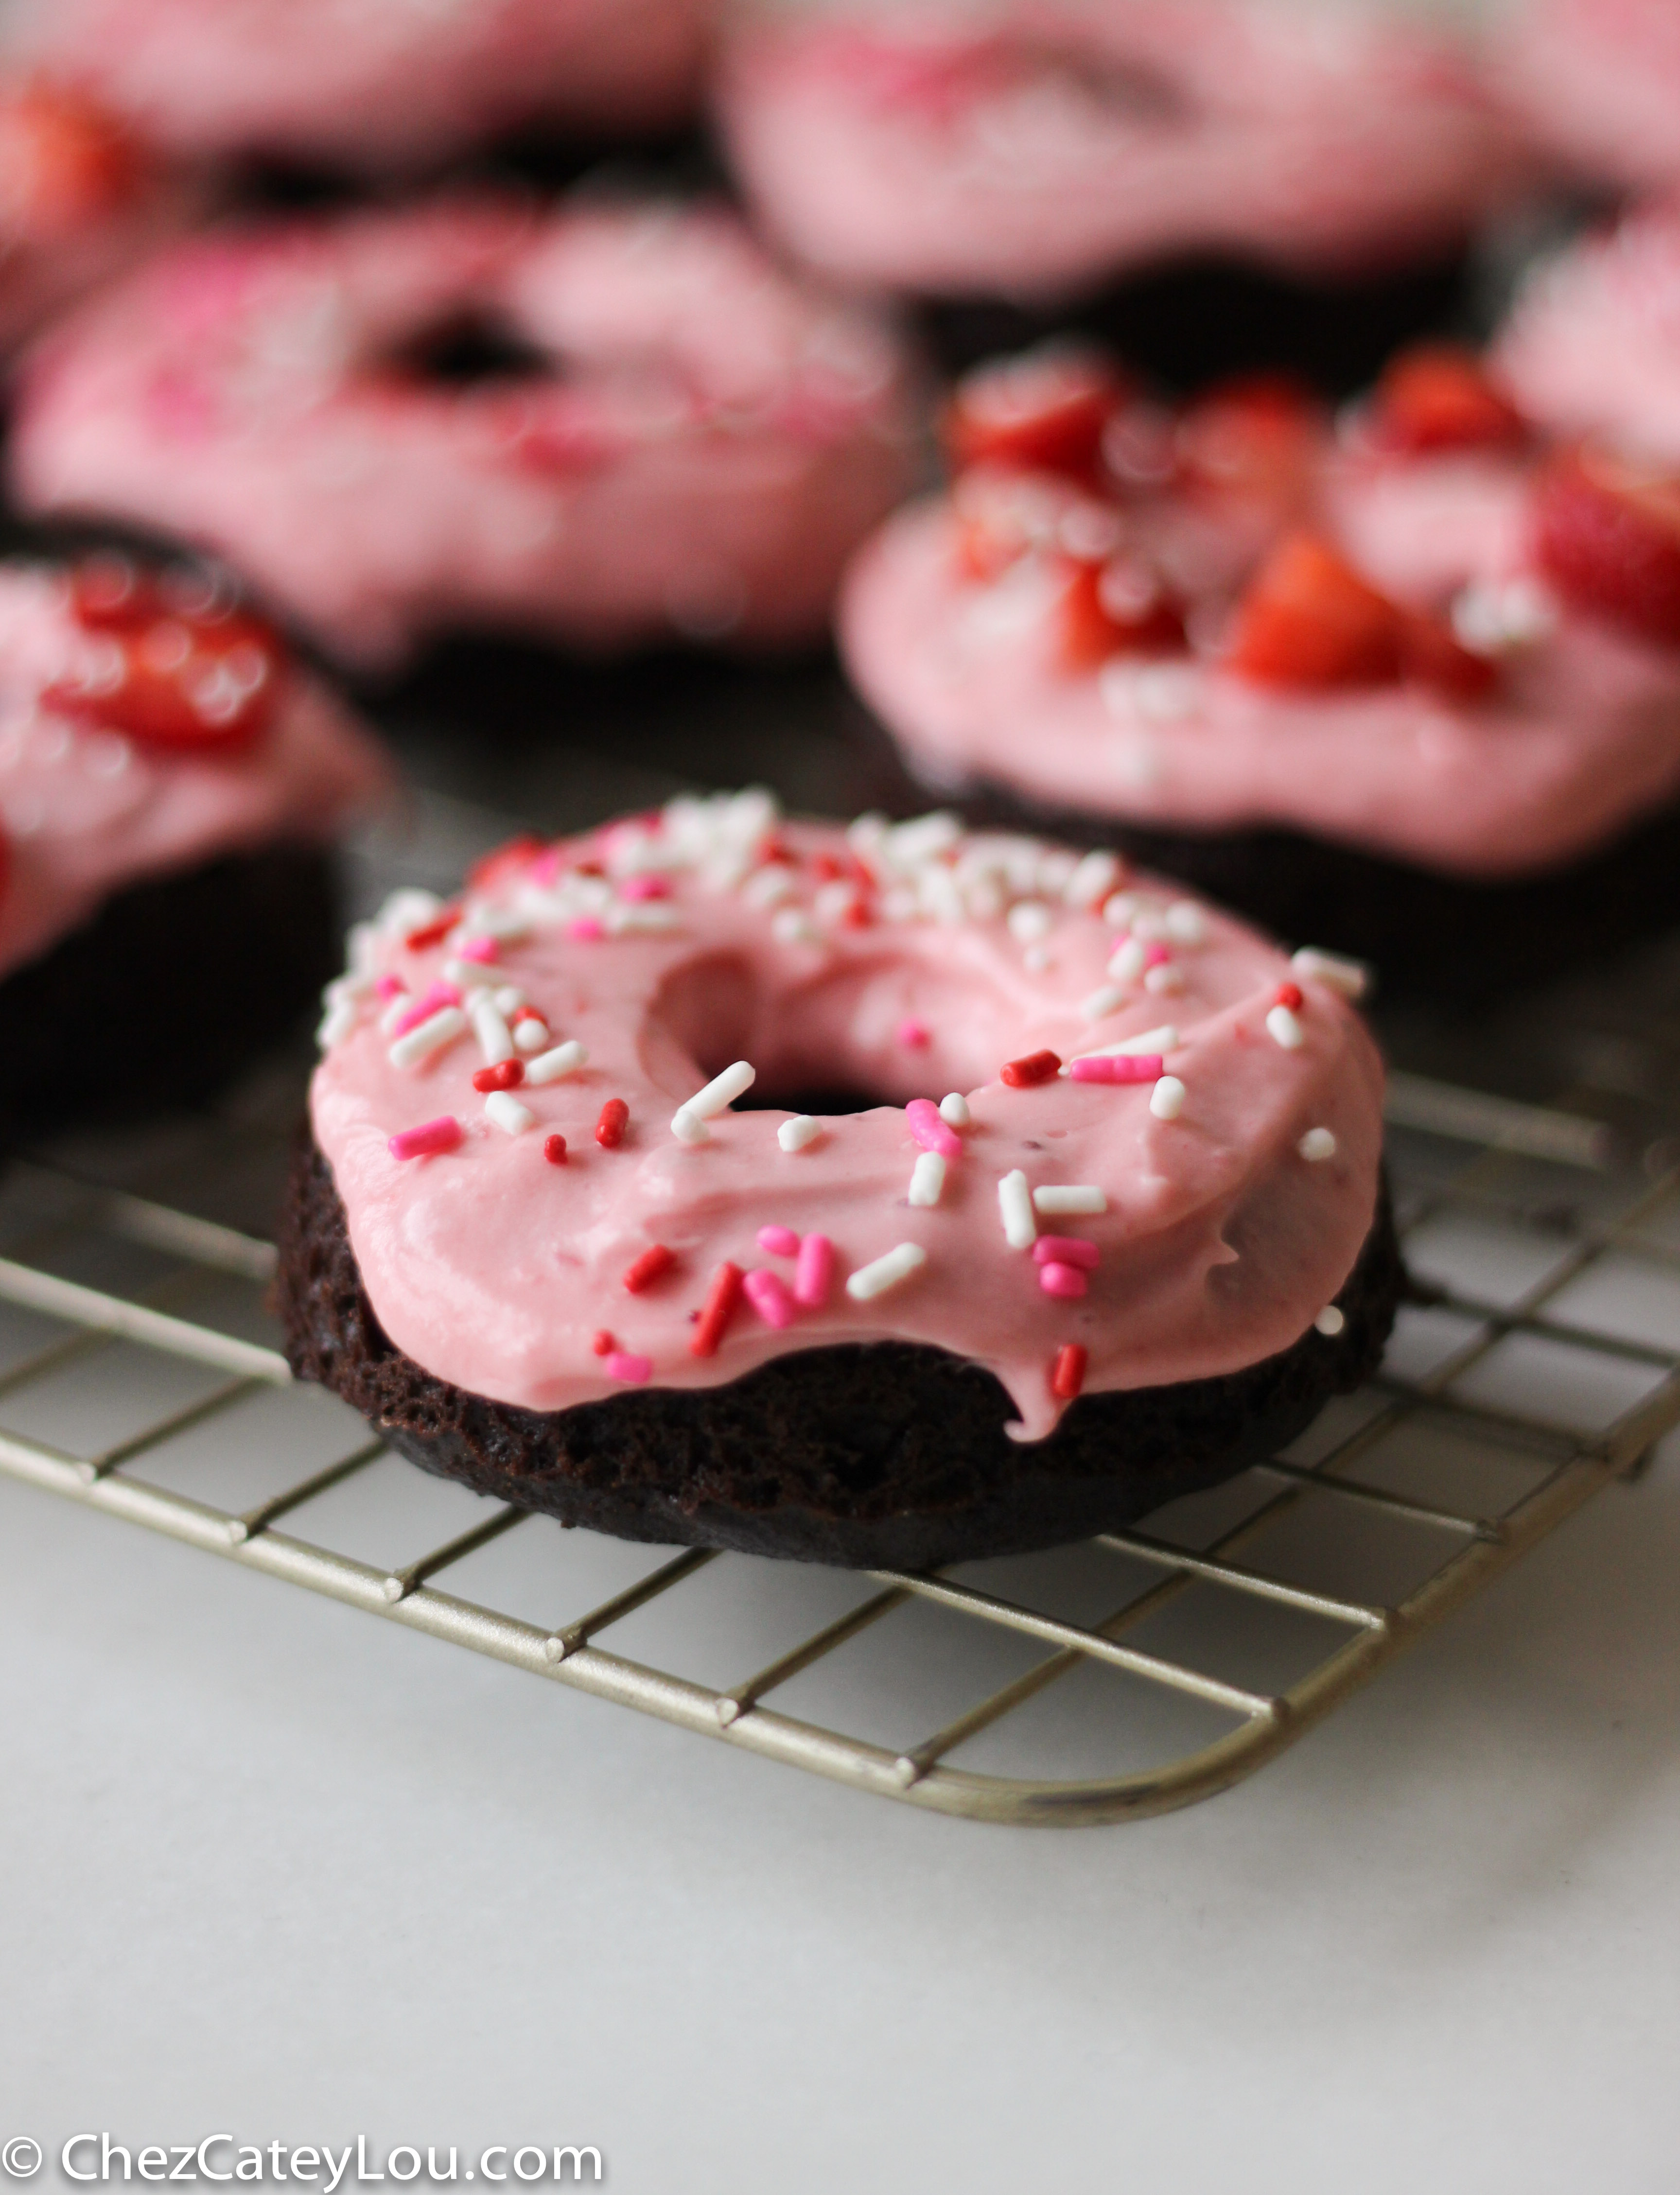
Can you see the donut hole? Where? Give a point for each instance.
(874, 1032)
(467, 348)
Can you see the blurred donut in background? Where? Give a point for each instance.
(368, 85)
(1598, 81)
(1033, 149)
(602, 423)
(80, 200)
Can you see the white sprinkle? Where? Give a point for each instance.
(494, 1040)
(469, 975)
(1186, 923)
(508, 1114)
(1285, 1030)
(1351, 978)
(1166, 1099)
(1166, 692)
(1165, 978)
(340, 1019)
(1094, 880)
(530, 1035)
(928, 1178)
(795, 1134)
(400, 1004)
(908, 844)
(1057, 1198)
(506, 927)
(1117, 912)
(1162, 1040)
(874, 1280)
(1030, 919)
(768, 886)
(834, 901)
(553, 1066)
(650, 917)
(721, 1090)
(954, 1110)
(1329, 1320)
(510, 998)
(794, 926)
(688, 1128)
(408, 909)
(1317, 1144)
(1014, 1203)
(1100, 1004)
(1126, 963)
(430, 1036)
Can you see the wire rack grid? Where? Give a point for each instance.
(1546, 1364)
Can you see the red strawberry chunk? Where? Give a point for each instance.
(1308, 620)
(63, 163)
(1607, 534)
(1436, 396)
(1434, 657)
(1117, 608)
(1256, 437)
(1046, 410)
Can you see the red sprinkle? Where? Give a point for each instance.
(1118, 1067)
(429, 1139)
(610, 1127)
(433, 933)
(523, 1014)
(1288, 994)
(1037, 1067)
(603, 1345)
(721, 1298)
(646, 1269)
(505, 1074)
(1067, 1374)
(554, 1149)
(1066, 1250)
(517, 853)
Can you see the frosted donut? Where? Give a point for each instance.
(370, 85)
(528, 1175)
(1598, 81)
(1592, 345)
(79, 201)
(170, 785)
(1442, 657)
(1038, 151)
(694, 445)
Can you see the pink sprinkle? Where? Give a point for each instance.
(390, 986)
(436, 997)
(1065, 1250)
(1061, 1280)
(912, 1033)
(780, 1242)
(484, 950)
(814, 1274)
(430, 1137)
(930, 1131)
(645, 888)
(632, 1370)
(1156, 956)
(546, 867)
(767, 1296)
(586, 929)
(1127, 1067)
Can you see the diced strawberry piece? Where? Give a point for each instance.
(63, 162)
(1308, 620)
(203, 679)
(1255, 437)
(1434, 657)
(1114, 609)
(1045, 411)
(1607, 534)
(1437, 396)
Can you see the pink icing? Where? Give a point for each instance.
(370, 84)
(1581, 733)
(1598, 81)
(1220, 1244)
(715, 439)
(1062, 139)
(1593, 342)
(86, 812)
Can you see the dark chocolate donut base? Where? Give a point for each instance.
(172, 987)
(876, 1454)
(1453, 940)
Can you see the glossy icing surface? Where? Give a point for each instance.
(901, 963)
(709, 439)
(86, 811)
(1038, 146)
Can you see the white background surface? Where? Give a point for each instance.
(274, 1869)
